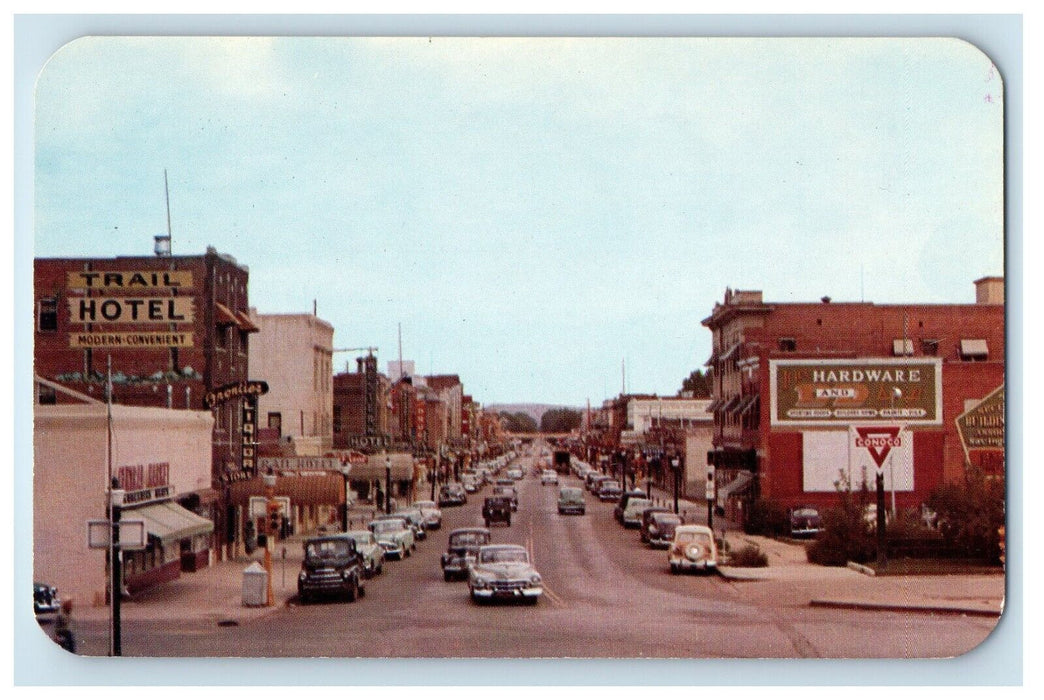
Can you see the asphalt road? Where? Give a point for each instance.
(606, 595)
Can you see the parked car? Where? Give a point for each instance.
(571, 500)
(693, 548)
(609, 490)
(515, 473)
(806, 522)
(394, 535)
(659, 528)
(372, 553)
(462, 551)
(644, 518)
(45, 600)
(416, 520)
(432, 514)
(470, 483)
(629, 511)
(497, 509)
(509, 492)
(548, 476)
(331, 566)
(503, 571)
(592, 479)
(452, 494)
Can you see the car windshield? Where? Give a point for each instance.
(610, 485)
(327, 549)
(501, 556)
(465, 539)
(686, 537)
(383, 526)
(666, 519)
(425, 504)
(806, 513)
(362, 537)
(571, 495)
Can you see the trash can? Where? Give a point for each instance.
(255, 585)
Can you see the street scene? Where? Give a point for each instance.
(605, 594)
(449, 348)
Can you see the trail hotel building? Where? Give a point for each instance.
(174, 330)
(807, 396)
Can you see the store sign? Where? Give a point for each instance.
(298, 464)
(370, 441)
(145, 483)
(233, 391)
(837, 392)
(132, 310)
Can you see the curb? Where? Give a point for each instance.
(894, 607)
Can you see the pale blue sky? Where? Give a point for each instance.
(533, 212)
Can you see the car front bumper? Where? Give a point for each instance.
(571, 510)
(517, 592)
(685, 563)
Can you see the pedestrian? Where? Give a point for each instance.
(63, 633)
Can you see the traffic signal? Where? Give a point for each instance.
(273, 518)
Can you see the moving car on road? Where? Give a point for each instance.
(509, 492)
(693, 548)
(462, 551)
(503, 571)
(514, 473)
(571, 500)
(372, 553)
(331, 566)
(394, 535)
(548, 476)
(497, 509)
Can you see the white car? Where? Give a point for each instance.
(503, 571)
(693, 548)
(549, 476)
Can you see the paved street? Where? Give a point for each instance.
(606, 595)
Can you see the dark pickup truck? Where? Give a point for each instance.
(497, 509)
(332, 566)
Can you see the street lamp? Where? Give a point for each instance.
(116, 496)
(676, 468)
(345, 470)
(897, 394)
(271, 506)
(387, 483)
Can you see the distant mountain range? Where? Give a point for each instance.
(535, 410)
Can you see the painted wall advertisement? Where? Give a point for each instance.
(905, 391)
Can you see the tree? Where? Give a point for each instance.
(698, 383)
(520, 422)
(559, 420)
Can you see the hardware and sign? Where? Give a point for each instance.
(836, 392)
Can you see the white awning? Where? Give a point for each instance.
(169, 522)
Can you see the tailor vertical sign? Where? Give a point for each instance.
(903, 391)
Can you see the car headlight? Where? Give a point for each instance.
(479, 582)
(534, 579)
(653, 530)
(301, 576)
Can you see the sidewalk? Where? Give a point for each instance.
(841, 587)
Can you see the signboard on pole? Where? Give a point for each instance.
(132, 534)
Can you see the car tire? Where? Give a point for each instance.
(508, 521)
(406, 552)
(674, 568)
(487, 523)
(353, 591)
(380, 569)
(447, 576)
(362, 590)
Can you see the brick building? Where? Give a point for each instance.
(360, 408)
(807, 393)
(176, 330)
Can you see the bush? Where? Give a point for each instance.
(766, 518)
(970, 514)
(845, 535)
(749, 556)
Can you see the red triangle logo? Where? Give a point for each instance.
(878, 442)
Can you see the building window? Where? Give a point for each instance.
(787, 344)
(930, 347)
(47, 315)
(275, 420)
(46, 396)
(902, 347)
(974, 350)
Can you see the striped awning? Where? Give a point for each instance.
(169, 522)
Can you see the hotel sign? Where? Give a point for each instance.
(867, 391)
(130, 280)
